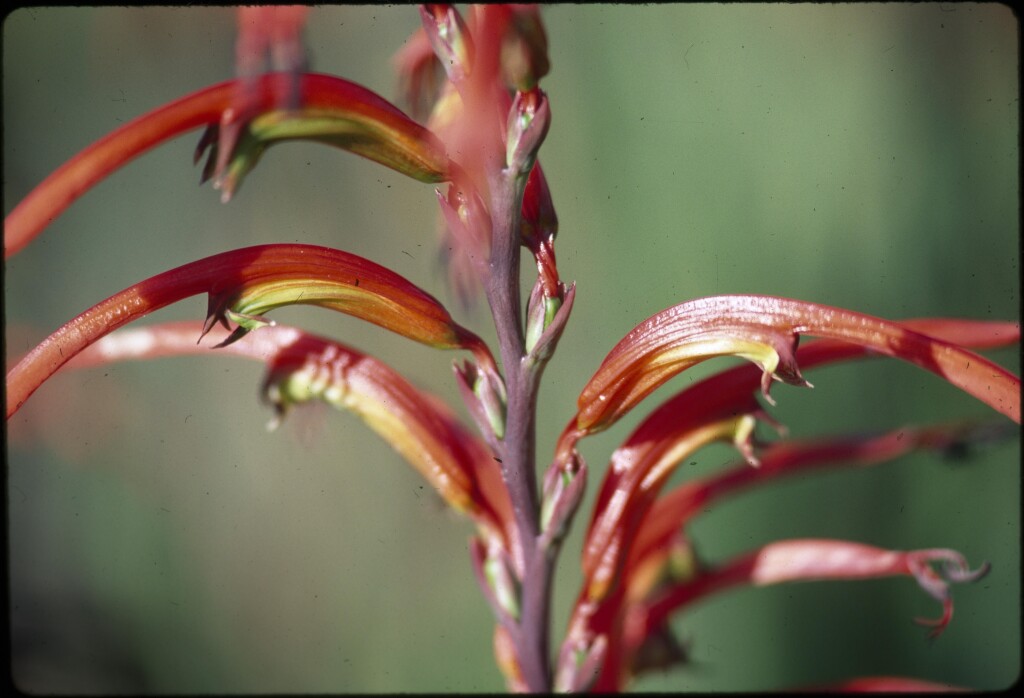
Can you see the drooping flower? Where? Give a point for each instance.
(634, 537)
(242, 285)
(336, 111)
(358, 121)
(765, 330)
(674, 510)
(303, 367)
(817, 560)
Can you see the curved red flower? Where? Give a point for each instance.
(765, 330)
(245, 283)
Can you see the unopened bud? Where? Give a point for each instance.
(450, 39)
(492, 399)
(524, 54)
(528, 121)
(502, 583)
(564, 486)
(486, 400)
(540, 311)
(546, 318)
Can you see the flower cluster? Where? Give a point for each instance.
(479, 120)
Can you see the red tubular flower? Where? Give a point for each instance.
(645, 621)
(660, 546)
(635, 476)
(736, 384)
(816, 560)
(673, 511)
(640, 467)
(631, 535)
(477, 118)
(388, 136)
(243, 284)
(765, 330)
(303, 366)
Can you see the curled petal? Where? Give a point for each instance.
(246, 282)
(734, 386)
(280, 275)
(815, 560)
(731, 391)
(764, 330)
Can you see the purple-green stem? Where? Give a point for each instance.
(518, 461)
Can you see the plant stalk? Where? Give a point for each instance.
(518, 457)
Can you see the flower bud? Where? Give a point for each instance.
(540, 310)
(524, 53)
(484, 395)
(450, 38)
(546, 319)
(528, 121)
(564, 487)
(495, 575)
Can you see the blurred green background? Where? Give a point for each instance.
(160, 539)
